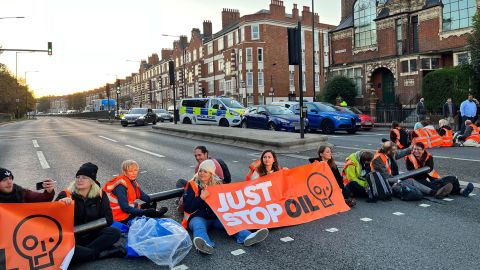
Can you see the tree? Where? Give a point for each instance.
(340, 86)
(43, 104)
(474, 47)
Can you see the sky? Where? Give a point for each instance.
(93, 39)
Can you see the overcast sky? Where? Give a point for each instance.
(92, 39)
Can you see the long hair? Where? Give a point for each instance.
(92, 193)
(330, 162)
(262, 170)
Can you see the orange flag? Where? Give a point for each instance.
(36, 235)
(283, 198)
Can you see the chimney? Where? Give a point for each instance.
(229, 16)
(277, 9)
(153, 59)
(183, 42)
(166, 54)
(195, 32)
(207, 29)
(295, 12)
(306, 15)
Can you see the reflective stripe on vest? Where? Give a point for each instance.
(384, 159)
(186, 215)
(252, 167)
(344, 174)
(475, 135)
(447, 138)
(397, 142)
(435, 139)
(133, 193)
(421, 136)
(414, 161)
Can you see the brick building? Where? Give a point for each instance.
(390, 45)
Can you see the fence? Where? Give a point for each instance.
(4, 117)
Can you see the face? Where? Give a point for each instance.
(199, 156)
(417, 151)
(268, 159)
(83, 182)
(204, 176)
(131, 173)
(6, 184)
(470, 97)
(327, 154)
(449, 100)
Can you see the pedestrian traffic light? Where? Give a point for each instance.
(49, 48)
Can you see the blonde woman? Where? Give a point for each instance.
(91, 203)
(199, 217)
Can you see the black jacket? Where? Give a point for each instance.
(446, 111)
(424, 162)
(195, 205)
(87, 210)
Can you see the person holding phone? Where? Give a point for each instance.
(13, 193)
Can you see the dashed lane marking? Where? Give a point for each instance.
(235, 161)
(366, 219)
(115, 175)
(169, 169)
(35, 143)
(472, 194)
(180, 267)
(112, 140)
(286, 239)
(461, 159)
(332, 230)
(398, 214)
(142, 172)
(238, 252)
(448, 199)
(43, 160)
(145, 151)
(424, 205)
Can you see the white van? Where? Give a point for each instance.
(221, 111)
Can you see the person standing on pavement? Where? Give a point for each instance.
(355, 171)
(468, 111)
(421, 158)
(268, 164)
(421, 112)
(450, 112)
(13, 193)
(91, 203)
(199, 217)
(123, 191)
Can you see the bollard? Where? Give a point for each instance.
(90, 226)
(409, 174)
(165, 195)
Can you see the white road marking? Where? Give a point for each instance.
(192, 166)
(472, 194)
(238, 252)
(424, 205)
(461, 159)
(235, 161)
(142, 172)
(180, 267)
(448, 199)
(255, 154)
(112, 140)
(43, 160)
(169, 169)
(35, 143)
(296, 156)
(145, 151)
(366, 219)
(115, 175)
(353, 148)
(286, 239)
(332, 230)
(254, 159)
(398, 214)
(463, 183)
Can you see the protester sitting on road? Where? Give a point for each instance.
(471, 136)
(13, 193)
(355, 171)
(399, 136)
(268, 164)
(421, 158)
(199, 217)
(385, 162)
(446, 132)
(417, 125)
(91, 203)
(124, 190)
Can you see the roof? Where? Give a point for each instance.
(221, 32)
(344, 24)
(432, 3)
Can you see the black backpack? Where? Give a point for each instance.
(378, 188)
(407, 192)
(227, 178)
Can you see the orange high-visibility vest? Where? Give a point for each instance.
(421, 136)
(447, 138)
(434, 138)
(344, 174)
(186, 215)
(384, 159)
(252, 167)
(434, 174)
(397, 142)
(133, 193)
(475, 135)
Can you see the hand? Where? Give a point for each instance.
(149, 213)
(66, 200)
(204, 194)
(49, 185)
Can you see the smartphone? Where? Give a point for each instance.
(39, 185)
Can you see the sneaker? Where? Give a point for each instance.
(444, 191)
(202, 246)
(256, 237)
(467, 190)
(350, 202)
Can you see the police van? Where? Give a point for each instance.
(221, 111)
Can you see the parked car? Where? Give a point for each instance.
(327, 118)
(366, 120)
(272, 117)
(221, 111)
(163, 115)
(139, 116)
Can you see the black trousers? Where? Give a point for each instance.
(357, 190)
(450, 179)
(89, 246)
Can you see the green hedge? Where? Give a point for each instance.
(340, 86)
(444, 83)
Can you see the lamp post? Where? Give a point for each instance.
(26, 90)
(3, 18)
(313, 52)
(272, 90)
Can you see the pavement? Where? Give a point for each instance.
(428, 234)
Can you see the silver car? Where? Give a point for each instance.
(163, 115)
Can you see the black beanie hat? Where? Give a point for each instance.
(5, 173)
(89, 169)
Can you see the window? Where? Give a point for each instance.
(261, 100)
(221, 65)
(255, 32)
(317, 45)
(200, 52)
(249, 54)
(210, 48)
(230, 40)
(240, 56)
(292, 79)
(220, 44)
(461, 58)
(353, 73)
(210, 86)
(242, 34)
(195, 55)
(399, 36)
(458, 14)
(249, 79)
(228, 68)
(260, 54)
(249, 101)
(210, 67)
(222, 85)
(409, 65)
(415, 33)
(430, 63)
(317, 77)
(260, 78)
(364, 12)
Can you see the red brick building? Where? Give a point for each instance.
(390, 45)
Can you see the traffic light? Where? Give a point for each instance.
(49, 48)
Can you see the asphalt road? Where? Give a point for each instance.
(443, 235)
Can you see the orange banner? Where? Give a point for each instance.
(284, 198)
(36, 235)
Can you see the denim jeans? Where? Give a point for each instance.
(199, 226)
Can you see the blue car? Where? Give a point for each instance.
(325, 117)
(272, 118)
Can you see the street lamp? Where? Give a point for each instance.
(272, 90)
(2, 18)
(26, 90)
